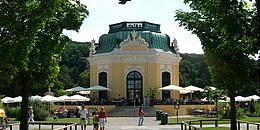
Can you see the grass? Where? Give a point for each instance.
(215, 128)
(174, 120)
(251, 119)
(65, 120)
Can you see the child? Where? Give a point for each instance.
(95, 120)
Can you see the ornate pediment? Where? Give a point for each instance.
(135, 42)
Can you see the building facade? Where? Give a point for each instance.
(131, 58)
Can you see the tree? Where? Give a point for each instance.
(227, 32)
(31, 41)
(74, 62)
(214, 95)
(194, 71)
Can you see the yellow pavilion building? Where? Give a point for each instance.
(131, 58)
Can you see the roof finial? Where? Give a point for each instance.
(92, 48)
(175, 45)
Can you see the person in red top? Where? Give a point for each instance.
(141, 116)
(102, 118)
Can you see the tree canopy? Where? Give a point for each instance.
(228, 33)
(31, 42)
(194, 71)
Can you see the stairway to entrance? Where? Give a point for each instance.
(130, 111)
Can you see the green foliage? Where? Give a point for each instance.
(31, 42)
(40, 110)
(194, 70)
(225, 112)
(257, 107)
(152, 93)
(74, 65)
(214, 95)
(227, 31)
(252, 107)
(13, 112)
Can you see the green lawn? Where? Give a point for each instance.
(174, 120)
(251, 119)
(216, 128)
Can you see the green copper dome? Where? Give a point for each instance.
(156, 40)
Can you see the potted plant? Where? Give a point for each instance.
(152, 93)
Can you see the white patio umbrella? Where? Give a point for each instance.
(7, 100)
(36, 97)
(240, 99)
(209, 87)
(184, 91)
(194, 88)
(171, 88)
(76, 89)
(63, 97)
(18, 99)
(254, 97)
(98, 88)
(76, 98)
(49, 98)
(84, 92)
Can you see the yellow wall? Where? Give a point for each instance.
(184, 109)
(151, 78)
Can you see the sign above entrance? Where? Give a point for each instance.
(137, 26)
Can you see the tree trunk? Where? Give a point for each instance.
(233, 119)
(24, 108)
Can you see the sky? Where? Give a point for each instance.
(102, 13)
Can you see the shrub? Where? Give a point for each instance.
(225, 112)
(257, 107)
(40, 110)
(13, 112)
(252, 108)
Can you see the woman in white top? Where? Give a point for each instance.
(83, 117)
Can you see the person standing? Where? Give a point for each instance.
(83, 115)
(95, 120)
(141, 116)
(30, 113)
(102, 118)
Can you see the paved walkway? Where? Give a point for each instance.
(130, 123)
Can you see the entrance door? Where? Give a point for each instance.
(134, 85)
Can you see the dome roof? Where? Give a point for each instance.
(120, 31)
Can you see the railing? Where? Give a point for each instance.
(188, 125)
(184, 126)
(66, 125)
(247, 125)
(9, 125)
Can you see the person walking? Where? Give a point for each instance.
(83, 115)
(141, 116)
(95, 120)
(31, 115)
(102, 118)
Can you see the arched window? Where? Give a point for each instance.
(134, 84)
(102, 81)
(166, 80)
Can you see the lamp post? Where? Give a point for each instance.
(177, 106)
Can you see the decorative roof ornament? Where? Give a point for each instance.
(175, 45)
(92, 48)
(134, 39)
